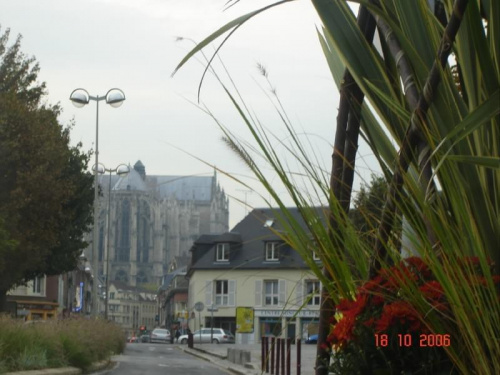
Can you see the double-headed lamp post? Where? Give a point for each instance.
(121, 170)
(80, 97)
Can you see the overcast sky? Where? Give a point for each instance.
(130, 44)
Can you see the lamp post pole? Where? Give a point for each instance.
(115, 98)
(212, 309)
(121, 170)
(95, 229)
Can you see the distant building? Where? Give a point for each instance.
(37, 300)
(154, 222)
(251, 283)
(48, 297)
(173, 296)
(132, 307)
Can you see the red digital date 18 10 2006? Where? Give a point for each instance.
(429, 340)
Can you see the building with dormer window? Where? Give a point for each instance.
(251, 272)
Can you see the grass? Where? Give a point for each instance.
(57, 343)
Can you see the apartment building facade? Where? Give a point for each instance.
(250, 282)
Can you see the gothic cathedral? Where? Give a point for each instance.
(154, 221)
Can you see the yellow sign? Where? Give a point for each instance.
(244, 320)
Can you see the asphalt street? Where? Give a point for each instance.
(160, 359)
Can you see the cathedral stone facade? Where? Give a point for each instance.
(154, 221)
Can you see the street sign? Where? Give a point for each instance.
(199, 306)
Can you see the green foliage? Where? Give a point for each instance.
(18, 73)
(71, 342)
(368, 205)
(31, 358)
(453, 212)
(46, 196)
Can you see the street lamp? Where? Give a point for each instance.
(79, 98)
(120, 170)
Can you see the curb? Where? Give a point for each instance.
(49, 371)
(208, 356)
(98, 366)
(224, 357)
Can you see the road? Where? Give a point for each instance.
(160, 359)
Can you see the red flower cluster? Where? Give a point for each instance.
(353, 308)
(434, 294)
(378, 306)
(343, 331)
(398, 312)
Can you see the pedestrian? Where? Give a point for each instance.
(177, 335)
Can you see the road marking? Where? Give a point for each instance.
(162, 365)
(152, 348)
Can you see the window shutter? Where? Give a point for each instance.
(299, 290)
(282, 292)
(209, 286)
(258, 292)
(232, 292)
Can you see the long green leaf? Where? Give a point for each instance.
(227, 27)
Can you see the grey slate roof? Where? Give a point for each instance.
(185, 188)
(168, 278)
(247, 246)
(132, 181)
(182, 188)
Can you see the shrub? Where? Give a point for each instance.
(72, 342)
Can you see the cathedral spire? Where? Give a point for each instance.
(141, 169)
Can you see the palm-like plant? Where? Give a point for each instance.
(427, 102)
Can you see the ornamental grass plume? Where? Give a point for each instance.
(74, 342)
(434, 130)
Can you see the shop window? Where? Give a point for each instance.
(270, 327)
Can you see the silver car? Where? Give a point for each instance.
(218, 336)
(160, 335)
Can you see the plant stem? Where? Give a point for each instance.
(342, 175)
(413, 137)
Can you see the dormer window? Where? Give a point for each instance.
(222, 252)
(272, 251)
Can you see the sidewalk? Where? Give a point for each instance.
(217, 354)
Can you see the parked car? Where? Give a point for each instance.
(160, 335)
(219, 336)
(313, 339)
(145, 338)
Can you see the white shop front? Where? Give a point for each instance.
(294, 324)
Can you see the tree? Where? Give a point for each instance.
(368, 205)
(46, 194)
